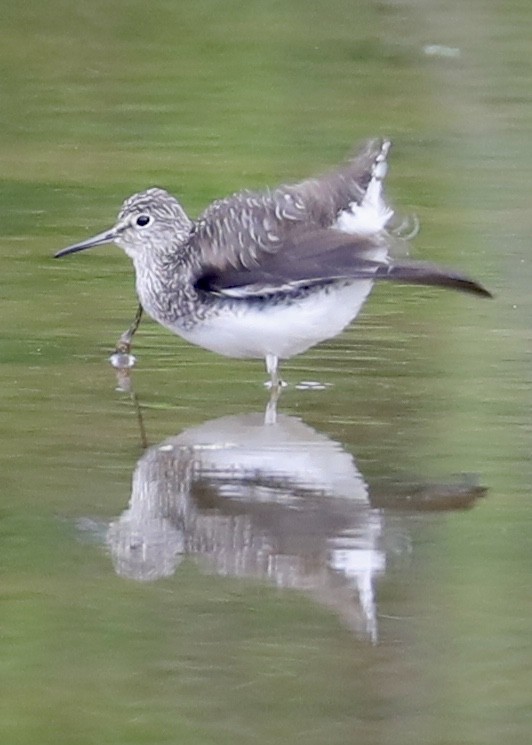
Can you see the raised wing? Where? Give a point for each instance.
(318, 231)
(241, 231)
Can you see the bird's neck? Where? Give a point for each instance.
(165, 286)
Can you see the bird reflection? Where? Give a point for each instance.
(277, 501)
(267, 497)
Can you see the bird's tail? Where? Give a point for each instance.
(417, 272)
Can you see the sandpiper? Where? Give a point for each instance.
(267, 275)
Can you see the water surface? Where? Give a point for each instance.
(360, 570)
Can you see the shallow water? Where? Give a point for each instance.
(358, 571)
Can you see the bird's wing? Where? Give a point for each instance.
(324, 256)
(318, 231)
(240, 231)
(327, 196)
(306, 258)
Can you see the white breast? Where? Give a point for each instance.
(283, 330)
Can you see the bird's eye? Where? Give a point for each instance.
(143, 220)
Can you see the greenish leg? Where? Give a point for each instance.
(123, 345)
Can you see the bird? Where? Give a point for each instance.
(268, 274)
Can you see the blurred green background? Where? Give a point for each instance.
(203, 98)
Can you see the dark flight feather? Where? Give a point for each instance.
(325, 256)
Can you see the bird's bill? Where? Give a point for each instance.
(108, 236)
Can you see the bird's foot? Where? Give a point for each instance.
(122, 359)
(123, 345)
(276, 385)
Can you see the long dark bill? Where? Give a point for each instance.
(101, 239)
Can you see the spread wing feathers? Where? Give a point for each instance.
(333, 192)
(327, 256)
(240, 230)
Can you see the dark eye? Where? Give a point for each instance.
(143, 220)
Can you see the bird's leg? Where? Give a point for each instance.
(275, 383)
(270, 415)
(122, 357)
(125, 385)
(272, 368)
(123, 345)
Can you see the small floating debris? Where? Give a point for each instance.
(312, 385)
(440, 50)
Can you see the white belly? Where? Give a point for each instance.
(243, 330)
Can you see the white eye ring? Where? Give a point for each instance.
(142, 221)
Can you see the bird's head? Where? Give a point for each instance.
(151, 221)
